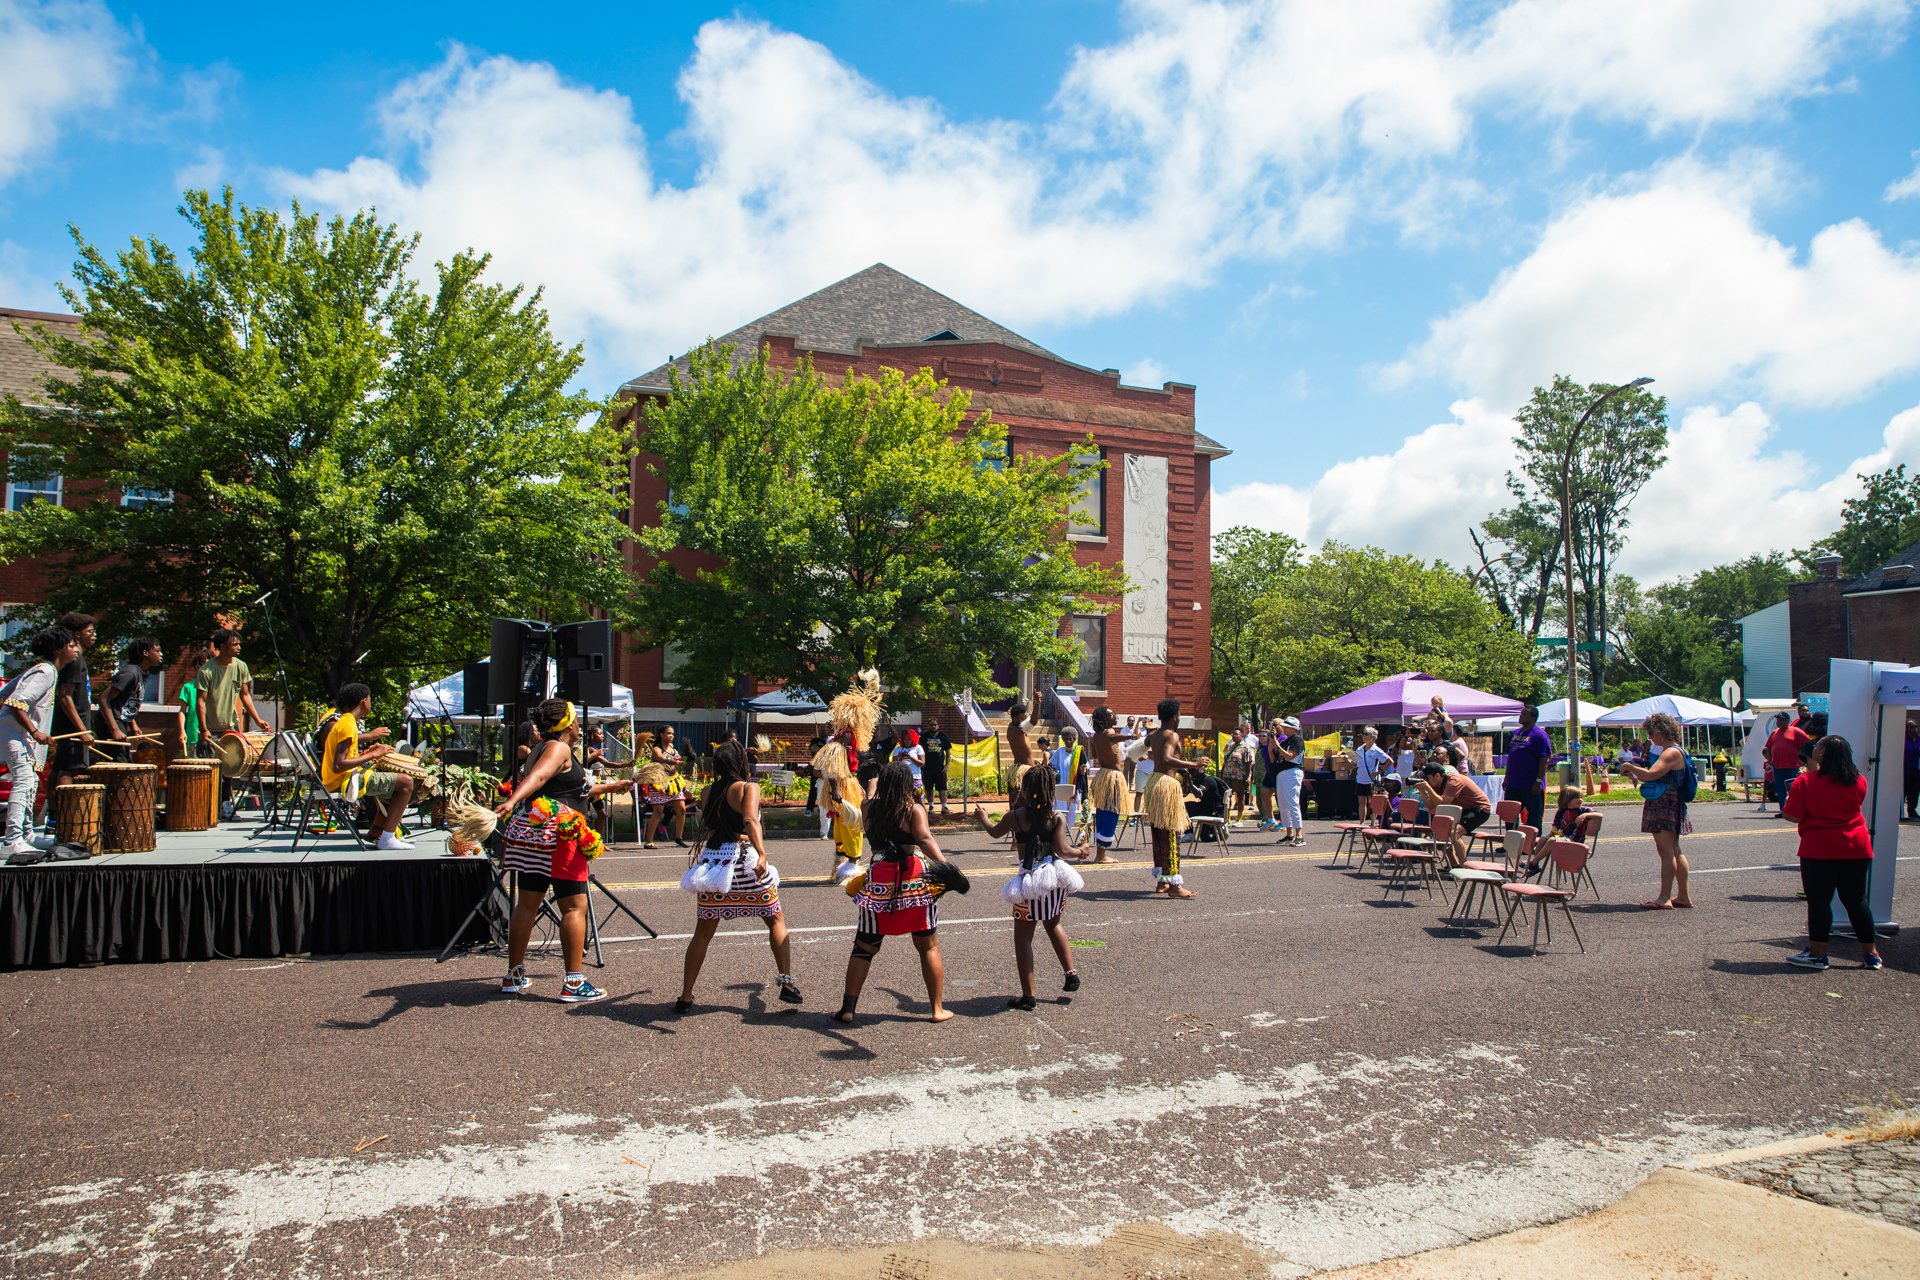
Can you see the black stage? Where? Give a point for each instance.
(226, 894)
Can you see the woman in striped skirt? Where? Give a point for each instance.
(897, 897)
(731, 879)
(1039, 892)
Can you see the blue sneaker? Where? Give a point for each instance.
(516, 982)
(1807, 960)
(582, 994)
(1873, 962)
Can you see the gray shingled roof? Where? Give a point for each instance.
(878, 306)
(1878, 580)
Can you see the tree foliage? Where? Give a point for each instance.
(396, 463)
(1246, 562)
(1684, 636)
(1316, 629)
(1876, 526)
(873, 524)
(1616, 453)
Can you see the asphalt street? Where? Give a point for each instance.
(1287, 1058)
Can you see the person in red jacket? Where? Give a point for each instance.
(1836, 849)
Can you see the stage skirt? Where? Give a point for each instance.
(1165, 805)
(727, 887)
(1108, 791)
(897, 898)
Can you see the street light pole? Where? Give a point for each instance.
(1566, 534)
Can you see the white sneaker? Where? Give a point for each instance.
(19, 846)
(46, 841)
(390, 843)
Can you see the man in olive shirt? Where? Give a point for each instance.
(226, 690)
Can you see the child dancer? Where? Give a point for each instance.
(1039, 892)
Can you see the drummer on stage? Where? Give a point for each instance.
(345, 752)
(226, 691)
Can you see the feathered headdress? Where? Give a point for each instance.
(858, 709)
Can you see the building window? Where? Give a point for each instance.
(994, 456)
(13, 623)
(674, 507)
(673, 658)
(1087, 517)
(1091, 631)
(137, 497)
(24, 493)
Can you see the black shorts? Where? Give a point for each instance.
(875, 939)
(71, 756)
(1471, 820)
(534, 882)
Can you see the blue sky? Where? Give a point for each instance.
(1362, 230)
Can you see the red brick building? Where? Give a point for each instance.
(1149, 510)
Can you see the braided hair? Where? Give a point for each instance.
(889, 815)
(729, 767)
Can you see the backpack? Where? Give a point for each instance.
(1689, 780)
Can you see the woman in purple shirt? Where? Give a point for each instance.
(1527, 766)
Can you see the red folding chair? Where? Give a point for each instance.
(1418, 857)
(1368, 835)
(1569, 859)
(1509, 812)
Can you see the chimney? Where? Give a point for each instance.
(1896, 573)
(1828, 567)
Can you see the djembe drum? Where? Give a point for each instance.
(127, 823)
(189, 791)
(76, 814)
(240, 752)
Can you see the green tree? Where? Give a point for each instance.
(872, 524)
(1876, 526)
(1684, 636)
(1247, 565)
(1617, 452)
(396, 463)
(1353, 615)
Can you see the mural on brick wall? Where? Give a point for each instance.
(1143, 618)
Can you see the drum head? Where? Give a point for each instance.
(232, 751)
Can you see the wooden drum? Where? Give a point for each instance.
(189, 788)
(240, 752)
(127, 825)
(76, 814)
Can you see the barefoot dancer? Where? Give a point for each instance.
(1039, 892)
(1165, 805)
(731, 877)
(897, 897)
(1018, 747)
(1108, 790)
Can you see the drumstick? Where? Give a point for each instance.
(131, 737)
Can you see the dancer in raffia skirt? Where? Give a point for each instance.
(1165, 805)
(1039, 891)
(731, 878)
(854, 715)
(1111, 798)
(898, 897)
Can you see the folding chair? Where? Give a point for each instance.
(1569, 859)
(1509, 812)
(1368, 835)
(1138, 818)
(1482, 879)
(315, 798)
(1418, 857)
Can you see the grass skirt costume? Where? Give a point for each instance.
(727, 887)
(897, 898)
(547, 838)
(1112, 801)
(1166, 808)
(854, 714)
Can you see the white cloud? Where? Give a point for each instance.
(1145, 372)
(1674, 277)
(58, 60)
(1726, 491)
(1666, 64)
(1213, 131)
(23, 284)
(1908, 187)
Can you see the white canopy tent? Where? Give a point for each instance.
(1553, 714)
(1688, 711)
(446, 698)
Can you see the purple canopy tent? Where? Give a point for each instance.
(1406, 696)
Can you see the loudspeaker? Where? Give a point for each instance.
(475, 698)
(516, 672)
(584, 653)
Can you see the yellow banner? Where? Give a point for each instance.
(1322, 745)
(976, 758)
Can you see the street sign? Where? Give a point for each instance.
(1560, 642)
(1729, 694)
